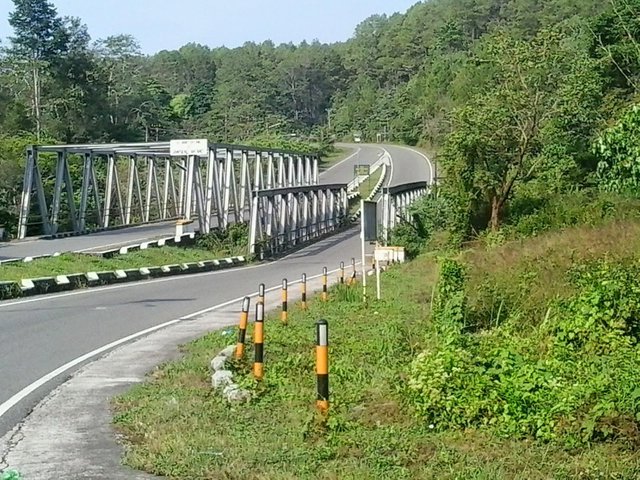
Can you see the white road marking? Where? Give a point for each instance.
(91, 291)
(423, 156)
(29, 389)
(342, 161)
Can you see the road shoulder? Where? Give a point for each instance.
(70, 433)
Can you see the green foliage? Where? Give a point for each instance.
(529, 216)
(407, 236)
(534, 92)
(429, 215)
(10, 475)
(39, 32)
(12, 158)
(524, 384)
(449, 308)
(291, 144)
(618, 152)
(231, 241)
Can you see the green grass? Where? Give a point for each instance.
(71, 263)
(370, 183)
(177, 427)
(339, 154)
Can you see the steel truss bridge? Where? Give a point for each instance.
(81, 188)
(77, 188)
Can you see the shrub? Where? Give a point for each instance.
(585, 207)
(232, 241)
(572, 379)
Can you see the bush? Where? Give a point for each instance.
(571, 379)
(322, 148)
(617, 153)
(407, 236)
(529, 217)
(426, 217)
(10, 475)
(232, 241)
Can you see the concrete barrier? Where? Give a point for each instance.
(40, 286)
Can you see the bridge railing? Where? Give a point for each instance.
(283, 218)
(75, 188)
(396, 201)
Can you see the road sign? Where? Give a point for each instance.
(183, 148)
(389, 254)
(370, 221)
(361, 170)
(368, 233)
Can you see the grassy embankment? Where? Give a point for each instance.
(370, 183)
(506, 364)
(213, 246)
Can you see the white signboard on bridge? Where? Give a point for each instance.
(183, 148)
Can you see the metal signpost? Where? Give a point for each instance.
(368, 233)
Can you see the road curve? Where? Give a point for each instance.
(41, 334)
(409, 165)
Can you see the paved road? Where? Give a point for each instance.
(408, 166)
(343, 171)
(34, 247)
(41, 334)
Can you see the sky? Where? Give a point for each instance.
(169, 24)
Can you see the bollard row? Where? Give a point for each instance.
(322, 332)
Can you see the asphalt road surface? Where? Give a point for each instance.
(41, 334)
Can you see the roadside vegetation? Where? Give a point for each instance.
(510, 361)
(214, 246)
(370, 183)
(509, 347)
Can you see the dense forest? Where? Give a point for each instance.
(510, 94)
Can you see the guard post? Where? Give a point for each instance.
(322, 366)
(258, 342)
(242, 331)
(303, 286)
(285, 298)
(325, 292)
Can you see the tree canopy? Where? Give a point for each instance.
(509, 93)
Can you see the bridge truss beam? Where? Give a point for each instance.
(396, 202)
(75, 188)
(282, 218)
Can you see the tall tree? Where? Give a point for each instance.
(39, 38)
(535, 112)
(120, 64)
